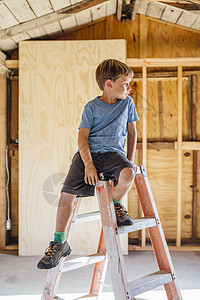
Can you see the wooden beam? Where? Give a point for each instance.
(135, 8)
(149, 62)
(163, 62)
(50, 18)
(188, 146)
(193, 1)
(179, 158)
(12, 64)
(165, 74)
(171, 248)
(3, 118)
(119, 9)
(157, 145)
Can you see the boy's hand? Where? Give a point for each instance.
(91, 176)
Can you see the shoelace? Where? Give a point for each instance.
(120, 210)
(50, 250)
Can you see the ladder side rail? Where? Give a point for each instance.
(99, 268)
(156, 234)
(113, 246)
(54, 274)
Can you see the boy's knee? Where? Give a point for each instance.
(128, 174)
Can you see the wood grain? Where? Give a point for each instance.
(56, 81)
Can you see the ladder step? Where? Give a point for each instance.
(148, 282)
(89, 296)
(88, 217)
(82, 261)
(138, 224)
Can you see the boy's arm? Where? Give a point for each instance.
(131, 141)
(91, 176)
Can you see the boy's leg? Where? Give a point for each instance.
(59, 247)
(125, 181)
(64, 211)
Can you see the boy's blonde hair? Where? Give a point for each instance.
(111, 69)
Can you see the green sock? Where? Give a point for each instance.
(60, 237)
(116, 202)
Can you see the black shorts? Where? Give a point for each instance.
(108, 163)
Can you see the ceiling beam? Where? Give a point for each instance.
(135, 8)
(50, 18)
(181, 1)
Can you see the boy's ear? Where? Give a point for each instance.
(108, 83)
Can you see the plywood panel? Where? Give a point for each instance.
(56, 81)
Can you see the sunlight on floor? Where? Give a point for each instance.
(152, 295)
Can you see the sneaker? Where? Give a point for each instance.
(53, 254)
(123, 219)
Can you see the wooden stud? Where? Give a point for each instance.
(144, 128)
(194, 197)
(143, 53)
(195, 160)
(179, 158)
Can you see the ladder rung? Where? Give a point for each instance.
(138, 224)
(148, 282)
(88, 217)
(89, 296)
(106, 285)
(82, 261)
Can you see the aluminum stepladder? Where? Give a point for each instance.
(109, 250)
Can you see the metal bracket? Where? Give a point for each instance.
(141, 170)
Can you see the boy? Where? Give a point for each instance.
(106, 122)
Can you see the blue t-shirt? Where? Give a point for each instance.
(108, 123)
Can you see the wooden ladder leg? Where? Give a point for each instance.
(112, 240)
(54, 274)
(156, 233)
(99, 269)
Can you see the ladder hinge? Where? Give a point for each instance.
(141, 170)
(158, 221)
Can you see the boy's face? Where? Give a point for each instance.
(121, 87)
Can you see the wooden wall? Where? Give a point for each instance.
(148, 38)
(56, 79)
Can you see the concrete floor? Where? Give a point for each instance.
(20, 279)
